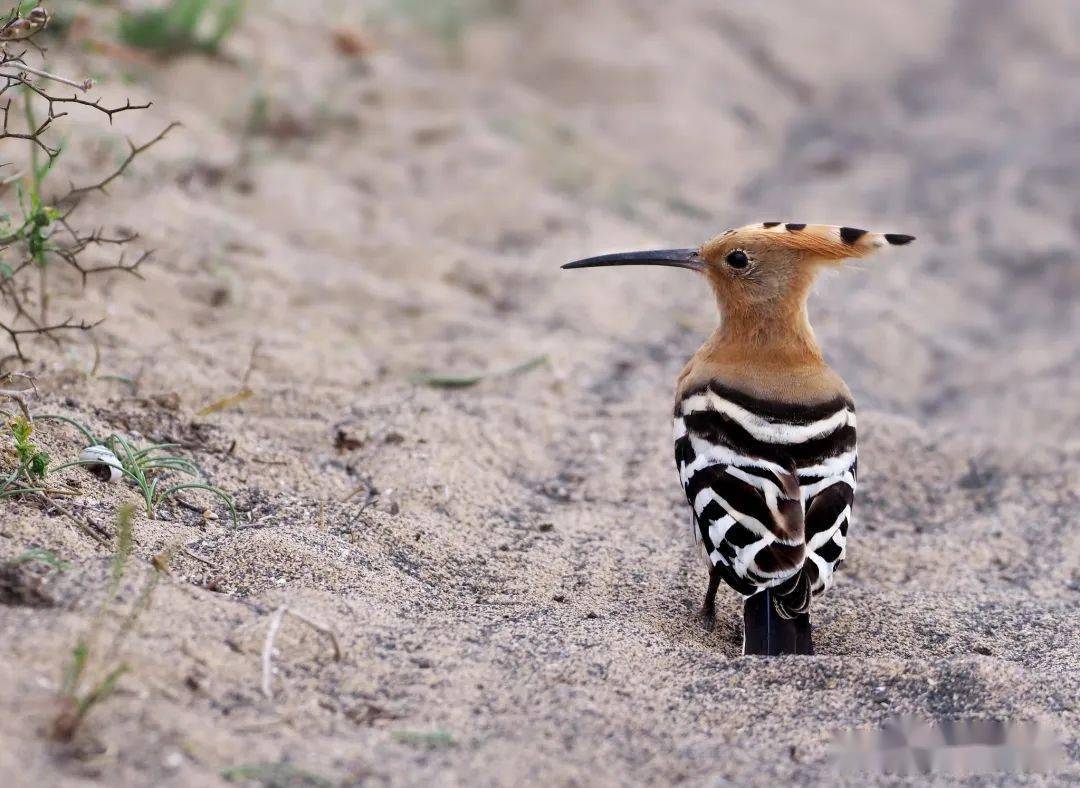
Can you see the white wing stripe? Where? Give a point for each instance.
(767, 486)
(707, 454)
(708, 495)
(719, 528)
(834, 466)
(810, 490)
(825, 571)
(821, 537)
(761, 428)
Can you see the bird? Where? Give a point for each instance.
(764, 428)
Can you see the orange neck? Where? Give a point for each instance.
(775, 337)
(769, 352)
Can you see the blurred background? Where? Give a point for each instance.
(365, 184)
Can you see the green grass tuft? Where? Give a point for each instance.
(448, 381)
(125, 543)
(432, 740)
(91, 677)
(33, 463)
(447, 20)
(182, 26)
(275, 775)
(145, 467)
(40, 555)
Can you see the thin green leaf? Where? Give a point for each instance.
(78, 425)
(430, 739)
(156, 447)
(196, 486)
(22, 491)
(41, 555)
(102, 691)
(447, 381)
(125, 540)
(79, 656)
(281, 773)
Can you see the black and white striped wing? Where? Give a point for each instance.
(746, 508)
(767, 483)
(828, 497)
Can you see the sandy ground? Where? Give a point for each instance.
(514, 605)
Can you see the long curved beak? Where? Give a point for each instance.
(676, 258)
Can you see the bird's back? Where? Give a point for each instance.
(770, 476)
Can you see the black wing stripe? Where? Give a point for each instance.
(713, 512)
(740, 584)
(781, 412)
(710, 477)
(740, 536)
(830, 551)
(822, 511)
(744, 499)
(720, 430)
(684, 451)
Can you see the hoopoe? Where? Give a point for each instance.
(764, 428)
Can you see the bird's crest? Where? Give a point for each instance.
(822, 241)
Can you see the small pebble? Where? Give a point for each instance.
(174, 760)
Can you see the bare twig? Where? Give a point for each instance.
(271, 635)
(251, 364)
(19, 396)
(96, 105)
(36, 237)
(21, 65)
(371, 495)
(75, 192)
(49, 332)
(268, 651)
(323, 630)
(78, 523)
(227, 402)
(197, 557)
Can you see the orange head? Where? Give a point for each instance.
(767, 268)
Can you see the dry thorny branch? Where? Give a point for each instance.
(18, 396)
(37, 232)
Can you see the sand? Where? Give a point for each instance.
(513, 582)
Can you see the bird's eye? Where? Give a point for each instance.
(737, 259)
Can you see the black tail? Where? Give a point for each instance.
(767, 633)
